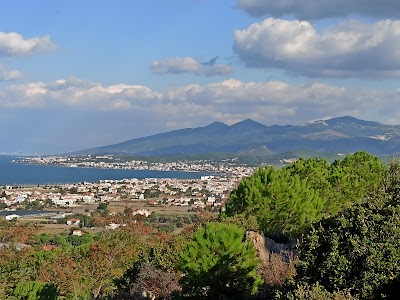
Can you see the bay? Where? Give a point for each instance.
(28, 174)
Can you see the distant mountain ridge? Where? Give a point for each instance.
(342, 134)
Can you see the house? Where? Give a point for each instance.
(112, 226)
(113, 190)
(210, 201)
(21, 198)
(142, 212)
(88, 199)
(77, 232)
(73, 221)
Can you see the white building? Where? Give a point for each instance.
(11, 217)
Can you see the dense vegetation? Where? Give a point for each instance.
(343, 218)
(218, 264)
(287, 201)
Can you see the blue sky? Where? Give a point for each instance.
(79, 74)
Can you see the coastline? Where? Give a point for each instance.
(22, 174)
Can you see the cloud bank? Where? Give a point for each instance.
(272, 102)
(319, 9)
(14, 44)
(348, 49)
(86, 113)
(179, 65)
(77, 93)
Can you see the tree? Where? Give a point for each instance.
(35, 290)
(287, 201)
(102, 206)
(219, 263)
(90, 271)
(282, 202)
(15, 267)
(356, 251)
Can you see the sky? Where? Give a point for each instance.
(80, 74)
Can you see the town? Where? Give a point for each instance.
(144, 196)
(227, 167)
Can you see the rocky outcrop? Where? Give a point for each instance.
(265, 247)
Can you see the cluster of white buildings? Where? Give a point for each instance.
(15, 197)
(227, 167)
(199, 193)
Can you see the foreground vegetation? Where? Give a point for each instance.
(339, 225)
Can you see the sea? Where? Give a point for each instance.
(28, 213)
(12, 173)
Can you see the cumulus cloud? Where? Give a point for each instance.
(14, 44)
(348, 49)
(6, 75)
(318, 9)
(179, 65)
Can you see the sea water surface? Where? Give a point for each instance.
(25, 174)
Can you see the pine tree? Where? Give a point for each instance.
(219, 263)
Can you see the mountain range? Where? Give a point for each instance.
(337, 135)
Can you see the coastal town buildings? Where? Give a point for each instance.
(209, 192)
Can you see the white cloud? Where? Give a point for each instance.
(349, 49)
(275, 101)
(6, 75)
(272, 102)
(14, 44)
(179, 65)
(318, 9)
(77, 93)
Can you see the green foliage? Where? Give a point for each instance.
(91, 271)
(218, 263)
(281, 201)
(247, 222)
(169, 222)
(64, 241)
(288, 200)
(76, 240)
(164, 254)
(102, 206)
(15, 266)
(358, 250)
(34, 290)
(43, 239)
(313, 292)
